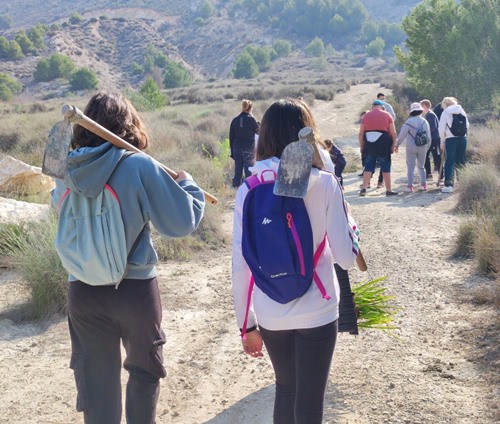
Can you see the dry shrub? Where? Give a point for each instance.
(489, 145)
(479, 184)
(487, 246)
(465, 242)
(8, 141)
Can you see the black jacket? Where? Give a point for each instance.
(242, 132)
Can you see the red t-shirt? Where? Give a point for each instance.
(377, 120)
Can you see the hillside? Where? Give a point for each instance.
(114, 34)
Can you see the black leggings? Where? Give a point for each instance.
(301, 360)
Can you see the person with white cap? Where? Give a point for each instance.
(416, 131)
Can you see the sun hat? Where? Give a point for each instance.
(416, 107)
(378, 103)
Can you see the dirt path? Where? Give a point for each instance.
(429, 374)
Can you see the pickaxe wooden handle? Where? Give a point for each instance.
(76, 116)
(360, 262)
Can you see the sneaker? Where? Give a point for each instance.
(423, 187)
(391, 193)
(380, 185)
(447, 189)
(361, 174)
(362, 192)
(361, 185)
(428, 177)
(409, 189)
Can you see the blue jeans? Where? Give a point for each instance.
(455, 157)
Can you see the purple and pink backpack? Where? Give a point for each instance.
(277, 244)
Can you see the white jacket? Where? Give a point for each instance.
(447, 119)
(327, 211)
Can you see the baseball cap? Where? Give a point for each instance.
(378, 103)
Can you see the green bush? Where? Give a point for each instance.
(75, 19)
(24, 42)
(282, 48)
(152, 94)
(375, 48)
(176, 75)
(316, 47)
(56, 66)
(245, 66)
(14, 51)
(83, 79)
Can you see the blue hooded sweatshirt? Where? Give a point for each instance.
(146, 193)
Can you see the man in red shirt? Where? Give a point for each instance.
(377, 139)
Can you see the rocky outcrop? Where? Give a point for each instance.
(15, 212)
(19, 177)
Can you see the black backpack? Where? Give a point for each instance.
(459, 125)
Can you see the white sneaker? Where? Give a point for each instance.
(447, 189)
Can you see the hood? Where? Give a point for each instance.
(273, 164)
(455, 109)
(89, 168)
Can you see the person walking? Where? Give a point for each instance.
(434, 148)
(377, 139)
(300, 335)
(242, 132)
(101, 317)
(387, 106)
(415, 150)
(337, 158)
(453, 127)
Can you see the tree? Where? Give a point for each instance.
(36, 34)
(61, 66)
(42, 71)
(14, 52)
(316, 47)
(83, 79)
(376, 47)
(176, 75)
(260, 55)
(8, 87)
(245, 66)
(452, 50)
(24, 42)
(282, 48)
(5, 93)
(150, 91)
(56, 66)
(4, 47)
(75, 18)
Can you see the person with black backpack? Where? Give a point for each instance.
(285, 289)
(453, 127)
(418, 135)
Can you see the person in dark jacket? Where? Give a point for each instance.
(242, 134)
(338, 159)
(433, 121)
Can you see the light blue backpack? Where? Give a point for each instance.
(90, 238)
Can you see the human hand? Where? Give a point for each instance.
(183, 175)
(252, 344)
(396, 149)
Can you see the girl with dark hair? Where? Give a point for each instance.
(300, 335)
(101, 317)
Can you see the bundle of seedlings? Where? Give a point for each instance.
(373, 306)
